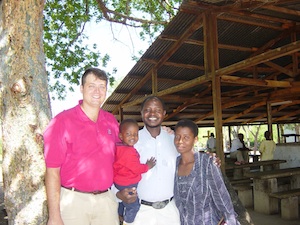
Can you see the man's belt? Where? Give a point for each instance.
(86, 192)
(158, 204)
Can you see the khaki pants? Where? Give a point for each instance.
(240, 155)
(88, 209)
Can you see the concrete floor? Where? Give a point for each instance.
(262, 219)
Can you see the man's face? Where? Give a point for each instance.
(153, 113)
(93, 91)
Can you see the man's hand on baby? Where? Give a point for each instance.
(127, 195)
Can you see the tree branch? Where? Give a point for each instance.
(106, 13)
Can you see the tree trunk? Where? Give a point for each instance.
(243, 215)
(25, 110)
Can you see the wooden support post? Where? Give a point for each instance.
(154, 82)
(121, 115)
(269, 117)
(211, 64)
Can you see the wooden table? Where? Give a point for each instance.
(266, 165)
(266, 182)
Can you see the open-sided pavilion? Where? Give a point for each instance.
(220, 63)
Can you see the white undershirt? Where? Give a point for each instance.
(158, 183)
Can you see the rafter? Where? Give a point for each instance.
(194, 26)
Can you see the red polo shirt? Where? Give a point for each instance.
(83, 150)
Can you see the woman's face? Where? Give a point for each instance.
(184, 139)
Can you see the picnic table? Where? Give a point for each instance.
(239, 170)
(266, 182)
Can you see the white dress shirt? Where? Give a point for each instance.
(235, 145)
(211, 143)
(158, 183)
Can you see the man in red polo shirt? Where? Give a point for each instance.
(79, 146)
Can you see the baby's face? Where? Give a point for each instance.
(130, 134)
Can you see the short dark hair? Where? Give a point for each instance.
(189, 124)
(267, 134)
(153, 98)
(100, 74)
(125, 122)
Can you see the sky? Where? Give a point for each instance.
(120, 42)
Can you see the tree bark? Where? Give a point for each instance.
(25, 110)
(243, 215)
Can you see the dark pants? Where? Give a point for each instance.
(129, 211)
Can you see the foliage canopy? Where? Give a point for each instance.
(64, 24)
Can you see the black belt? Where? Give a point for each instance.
(86, 192)
(158, 204)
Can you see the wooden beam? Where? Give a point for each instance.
(171, 90)
(254, 106)
(193, 27)
(252, 14)
(192, 101)
(272, 112)
(264, 57)
(296, 112)
(280, 68)
(256, 82)
(224, 106)
(282, 10)
(181, 65)
(246, 20)
(220, 45)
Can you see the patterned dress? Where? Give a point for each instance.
(202, 197)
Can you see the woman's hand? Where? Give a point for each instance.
(168, 129)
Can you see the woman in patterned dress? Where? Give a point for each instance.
(200, 193)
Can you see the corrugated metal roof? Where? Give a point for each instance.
(246, 33)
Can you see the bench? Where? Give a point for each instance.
(289, 203)
(244, 189)
(241, 181)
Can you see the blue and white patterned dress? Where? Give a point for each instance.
(202, 197)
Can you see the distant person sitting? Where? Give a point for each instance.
(127, 167)
(267, 147)
(239, 151)
(211, 143)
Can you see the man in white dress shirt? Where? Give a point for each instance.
(156, 187)
(239, 151)
(211, 143)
